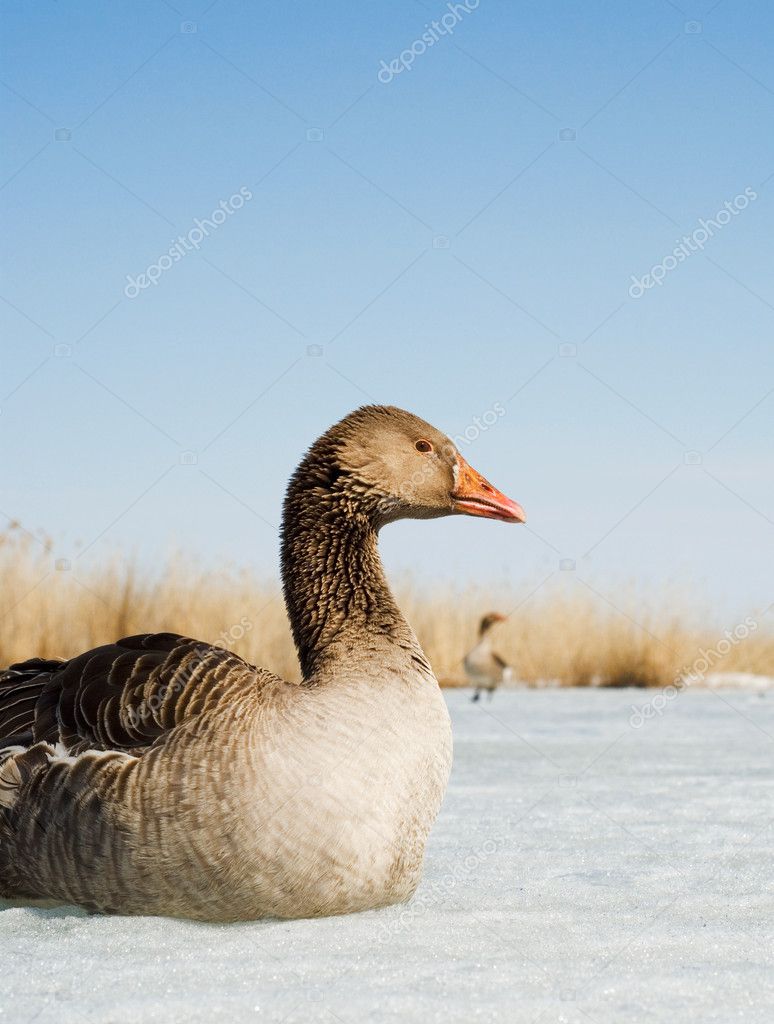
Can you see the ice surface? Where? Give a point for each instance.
(582, 870)
(739, 680)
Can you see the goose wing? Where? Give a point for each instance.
(483, 663)
(504, 669)
(122, 696)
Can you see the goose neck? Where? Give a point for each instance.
(339, 603)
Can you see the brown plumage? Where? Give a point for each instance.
(484, 667)
(163, 775)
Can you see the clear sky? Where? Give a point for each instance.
(454, 231)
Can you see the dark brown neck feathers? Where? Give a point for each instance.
(336, 593)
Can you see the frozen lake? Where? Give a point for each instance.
(582, 870)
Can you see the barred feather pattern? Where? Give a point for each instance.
(163, 775)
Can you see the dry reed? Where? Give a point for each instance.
(563, 634)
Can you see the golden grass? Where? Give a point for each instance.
(564, 632)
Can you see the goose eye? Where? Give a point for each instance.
(423, 446)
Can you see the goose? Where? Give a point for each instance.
(485, 669)
(162, 775)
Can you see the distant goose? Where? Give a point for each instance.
(162, 775)
(485, 669)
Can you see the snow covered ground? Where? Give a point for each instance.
(583, 869)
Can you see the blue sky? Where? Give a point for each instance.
(462, 235)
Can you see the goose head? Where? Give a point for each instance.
(390, 464)
(488, 621)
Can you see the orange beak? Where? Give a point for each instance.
(475, 496)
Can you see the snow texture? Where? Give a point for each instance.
(583, 869)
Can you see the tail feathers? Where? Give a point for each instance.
(17, 763)
(21, 687)
(22, 670)
(10, 776)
